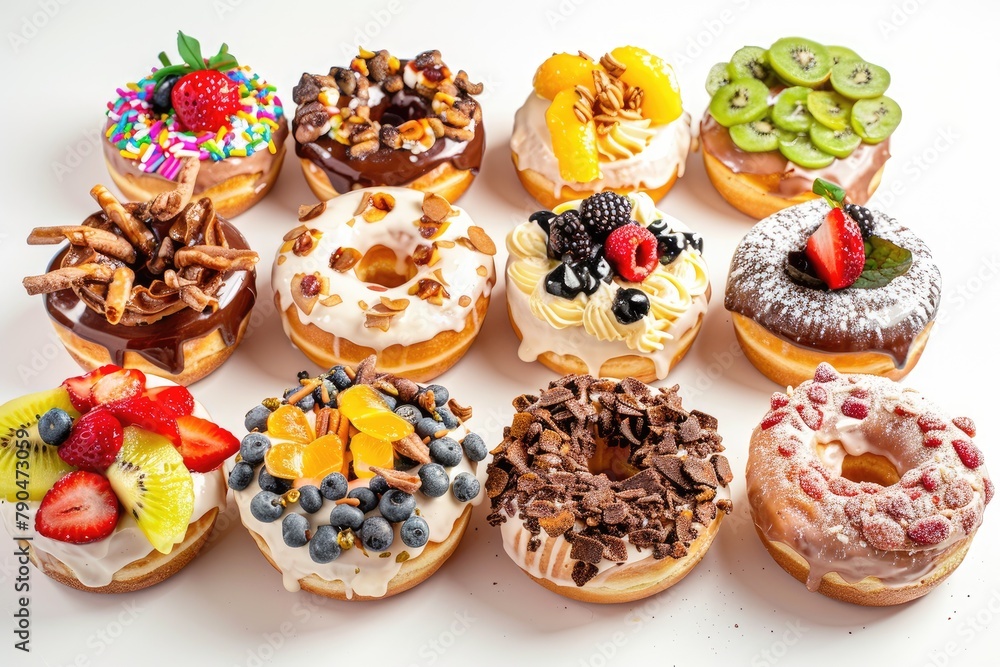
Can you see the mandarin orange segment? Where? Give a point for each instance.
(369, 451)
(322, 457)
(661, 101)
(369, 413)
(284, 460)
(573, 142)
(562, 71)
(289, 423)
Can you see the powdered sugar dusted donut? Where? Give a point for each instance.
(863, 489)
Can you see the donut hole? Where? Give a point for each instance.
(382, 266)
(869, 467)
(400, 109)
(611, 461)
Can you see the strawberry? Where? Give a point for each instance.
(175, 401)
(966, 425)
(204, 100)
(778, 400)
(854, 408)
(141, 411)
(929, 530)
(204, 445)
(772, 419)
(94, 441)
(968, 452)
(631, 251)
(118, 386)
(79, 386)
(836, 250)
(80, 508)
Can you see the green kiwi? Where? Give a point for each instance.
(829, 108)
(839, 53)
(874, 120)
(757, 136)
(802, 152)
(718, 77)
(740, 101)
(859, 80)
(790, 111)
(800, 61)
(41, 466)
(749, 62)
(839, 143)
(154, 486)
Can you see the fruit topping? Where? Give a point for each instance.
(290, 423)
(176, 401)
(141, 411)
(632, 252)
(162, 102)
(838, 143)
(569, 236)
(368, 451)
(857, 79)
(311, 461)
(204, 445)
(825, 373)
(830, 109)
(801, 62)
(564, 70)
(630, 305)
(465, 487)
(836, 250)
(202, 96)
(742, 101)
(854, 408)
(718, 76)
(295, 530)
(376, 534)
(757, 136)
(929, 530)
(324, 547)
(773, 419)
(94, 441)
(790, 111)
(369, 413)
(874, 120)
(54, 426)
(396, 506)
(79, 387)
(80, 508)
(574, 142)
(966, 425)
(415, 532)
(800, 150)
(750, 62)
(661, 98)
(971, 455)
(267, 506)
(20, 440)
(864, 218)
(120, 385)
(605, 212)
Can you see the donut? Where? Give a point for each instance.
(606, 285)
(165, 286)
(607, 491)
(236, 129)
(615, 124)
(774, 125)
(358, 484)
(383, 121)
(126, 479)
(788, 321)
(865, 490)
(387, 271)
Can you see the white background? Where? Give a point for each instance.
(61, 62)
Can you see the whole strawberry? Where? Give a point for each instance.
(203, 98)
(94, 441)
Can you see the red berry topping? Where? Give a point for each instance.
(141, 411)
(175, 401)
(930, 479)
(118, 386)
(930, 423)
(966, 425)
(903, 411)
(811, 417)
(929, 530)
(80, 508)
(968, 452)
(854, 408)
(931, 440)
(988, 489)
(787, 449)
(812, 483)
(778, 400)
(859, 392)
(94, 441)
(773, 419)
(841, 486)
(825, 373)
(204, 100)
(631, 251)
(79, 387)
(204, 445)
(816, 394)
(836, 250)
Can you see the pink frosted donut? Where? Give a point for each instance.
(863, 489)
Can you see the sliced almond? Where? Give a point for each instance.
(482, 271)
(307, 213)
(395, 304)
(412, 447)
(481, 240)
(397, 479)
(464, 300)
(332, 300)
(436, 207)
(292, 234)
(343, 259)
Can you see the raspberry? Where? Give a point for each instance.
(773, 419)
(929, 530)
(811, 483)
(966, 425)
(825, 373)
(786, 449)
(930, 423)
(904, 411)
(968, 452)
(988, 489)
(94, 441)
(854, 408)
(605, 212)
(811, 417)
(568, 236)
(631, 251)
(932, 441)
(864, 218)
(816, 394)
(778, 400)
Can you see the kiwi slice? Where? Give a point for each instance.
(154, 486)
(740, 101)
(718, 77)
(829, 108)
(19, 432)
(800, 61)
(859, 80)
(802, 152)
(839, 53)
(839, 143)
(874, 120)
(790, 111)
(750, 62)
(757, 136)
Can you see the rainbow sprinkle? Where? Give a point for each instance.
(159, 143)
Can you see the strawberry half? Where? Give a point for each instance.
(94, 441)
(79, 387)
(141, 411)
(80, 508)
(204, 100)
(175, 401)
(204, 445)
(836, 250)
(118, 386)
(632, 252)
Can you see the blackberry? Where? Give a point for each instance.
(568, 236)
(605, 212)
(864, 218)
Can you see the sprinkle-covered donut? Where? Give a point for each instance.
(863, 489)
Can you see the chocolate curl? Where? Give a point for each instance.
(67, 277)
(119, 293)
(215, 258)
(168, 204)
(135, 231)
(100, 240)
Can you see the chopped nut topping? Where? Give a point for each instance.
(430, 290)
(332, 300)
(344, 259)
(397, 479)
(464, 300)
(305, 290)
(305, 243)
(482, 271)
(395, 304)
(426, 255)
(481, 240)
(307, 213)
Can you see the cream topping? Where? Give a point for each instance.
(626, 138)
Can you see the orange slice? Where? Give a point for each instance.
(562, 71)
(316, 460)
(369, 413)
(369, 451)
(290, 423)
(574, 143)
(661, 98)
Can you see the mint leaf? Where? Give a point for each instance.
(831, 192)
(884, 260)
(190, 51)
(222, 62)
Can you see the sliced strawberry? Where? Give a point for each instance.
(836, 250)
(631, 250)
(80, 508)
(204, 100)
(204, 445)
(141, 411)
(94, 441)
(175, 401)
(79, 386)
(118, 386)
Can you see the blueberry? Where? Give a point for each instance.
(570, 279)
(256, 419)
(240, 476)
(434, 480)
(542, 218)
(333, 486)
(427, 427)
(369, 500)
(323, 547)
(658, 227)
(293, 530)
(162, 102)
(669, 246)
(694, 241)
(331, 392)
(474, 447)
(306, 403)
(465, 487)
(346, 516)
(600, 269)
(310, 498)
(397, 505)
(630, 305)
(302, 375)
(269, 482)
(54, 426)
(448, 419)
(378, 485)
(376, 534)
(446, 451)
(254, 446)
(340, 378)
(414, 532)
(410, 413)
(441, 395)
(389, 400)
(266, 506)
